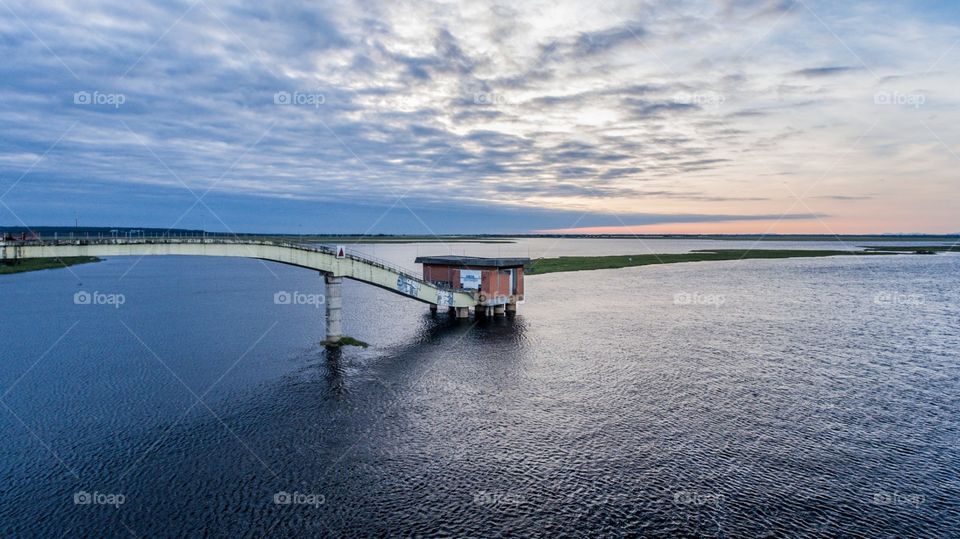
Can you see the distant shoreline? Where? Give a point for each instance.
(581, 263)
(49, 232)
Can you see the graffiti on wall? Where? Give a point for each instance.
(444, 298)
(408, 286)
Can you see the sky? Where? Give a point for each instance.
(375, 116)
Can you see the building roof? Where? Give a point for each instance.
(473, 261)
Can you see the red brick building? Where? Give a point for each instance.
(499, 281)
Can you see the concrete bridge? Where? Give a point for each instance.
(334, 268)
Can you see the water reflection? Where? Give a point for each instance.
(336, 387)
(789, 410)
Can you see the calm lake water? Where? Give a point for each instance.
(806, 397)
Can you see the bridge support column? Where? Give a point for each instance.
(334, 303)
(499, 310)
(463, 312)
(433, 309)
(510, 309)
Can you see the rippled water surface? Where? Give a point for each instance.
(804, 397)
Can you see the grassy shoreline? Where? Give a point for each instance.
(37, 264)
(587, 263)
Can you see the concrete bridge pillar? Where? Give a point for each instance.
(499, 310)
(510, 308)
(334, 303)
(463, 312)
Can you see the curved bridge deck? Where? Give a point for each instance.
(323, 259)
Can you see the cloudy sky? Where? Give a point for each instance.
(452, 117)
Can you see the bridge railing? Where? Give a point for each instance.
(406, 272)
(383, 263)
(319, 248)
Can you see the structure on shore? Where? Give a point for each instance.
(494, 285)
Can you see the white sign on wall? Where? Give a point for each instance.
(470, 279)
